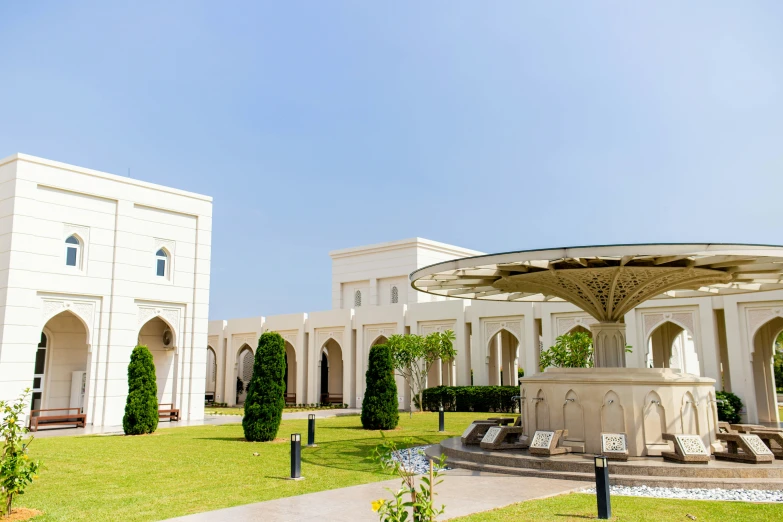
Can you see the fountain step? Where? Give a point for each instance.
(641, 471)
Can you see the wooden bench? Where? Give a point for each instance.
(45, 418)
(290, 398)
(328, 398)
(170, 413)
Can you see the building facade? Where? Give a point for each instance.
(92, 265)
(726, 338)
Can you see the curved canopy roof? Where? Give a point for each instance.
(607, 281)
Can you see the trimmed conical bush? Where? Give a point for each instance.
(266, 392)
(141, 407)
(379, 407)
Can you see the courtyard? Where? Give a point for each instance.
(187, 470)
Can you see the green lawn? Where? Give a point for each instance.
(178, 471)
(577, 507)
(240, 410)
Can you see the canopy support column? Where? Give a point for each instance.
(608, 345)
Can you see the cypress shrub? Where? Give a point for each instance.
(141, 407)
(495, 399)
(379, 406)
(266, 392)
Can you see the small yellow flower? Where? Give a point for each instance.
(26, 457)
(11, 421)
(377, 504)
(35, 477)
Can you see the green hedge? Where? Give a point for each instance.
(472, 398)
(729, 409)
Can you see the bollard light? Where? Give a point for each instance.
(602, 487)
(311, 430)
(441, 419)
(296, 456)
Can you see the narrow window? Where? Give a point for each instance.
(72, 251)
(357, 298)
(395, 295)
(162, 261)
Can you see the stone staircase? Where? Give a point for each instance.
(653, 472)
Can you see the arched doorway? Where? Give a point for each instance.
(331, 373)
(503, 350)
(211, 375)
(290, 374)
(763, 371)
(157, 335)
(245, 360)
(61, 362)
(671, 346)
(580, 329)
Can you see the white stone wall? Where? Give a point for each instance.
(113, 291)
(478, 325)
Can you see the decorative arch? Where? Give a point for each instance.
(654, 422)
(612, 414)
(580, 328)
(380, 339)
(167, 321)
(168, 315)
(540, 412)
(68, 308)
(501, 369)
(573, 417)
(290, 372)
(331, 378)
(689, 415)
(762, 354)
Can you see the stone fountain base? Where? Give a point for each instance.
(643, 403)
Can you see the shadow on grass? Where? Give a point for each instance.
(586, 517)
(351, 454)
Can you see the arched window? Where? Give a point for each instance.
(395, 295)
(357, 298)
(73, 252)
(162, 263)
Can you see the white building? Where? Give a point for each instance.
(727, 338)
(93, 264)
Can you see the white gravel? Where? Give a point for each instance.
(413, 460)
(745, 495)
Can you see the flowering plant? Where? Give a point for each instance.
(17, 471)
(420, 507)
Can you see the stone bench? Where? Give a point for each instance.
(547, 443)
(505, 437)
(688, 449)
(745, 448)
(476, 431)
(773, 440)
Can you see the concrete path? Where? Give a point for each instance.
(208, 420)
(462, 491)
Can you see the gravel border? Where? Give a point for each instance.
(743, 495)
(413, 460)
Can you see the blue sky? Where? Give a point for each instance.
(491, 125)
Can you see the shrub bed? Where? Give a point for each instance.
(472, 398)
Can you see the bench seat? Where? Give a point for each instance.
(46, 418)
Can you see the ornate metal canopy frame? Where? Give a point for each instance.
(608, 281)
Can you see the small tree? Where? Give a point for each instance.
(17, 471)
(572, 350)
(379, 406)
(141, 407)
(414, 355)
(266, 391)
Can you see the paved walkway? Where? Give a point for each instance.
(463, 492)
(208, 420)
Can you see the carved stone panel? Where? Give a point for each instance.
(542, 439)
(492, 435)
(692, 445)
